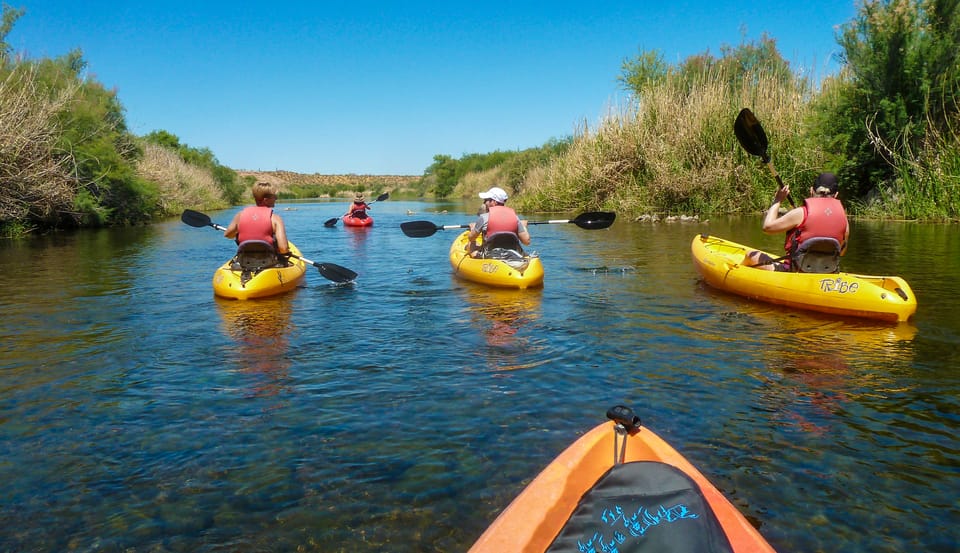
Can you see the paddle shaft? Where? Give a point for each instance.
(590, 221)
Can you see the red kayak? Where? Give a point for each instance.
(365, 221)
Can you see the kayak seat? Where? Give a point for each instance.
(504, 241)
(643, 506)
(255, 255)
(818, 255)
(504, 246)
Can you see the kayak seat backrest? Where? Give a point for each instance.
(506, 247)
(254, 255)
(502, 241)
(818, 255)
(643, 506)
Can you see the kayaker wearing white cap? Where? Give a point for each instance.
(498, 218)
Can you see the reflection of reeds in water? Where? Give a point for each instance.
(816, 366)
(790, 331)
(852, 339)
(259, 329)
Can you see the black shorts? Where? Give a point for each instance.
(781, 267)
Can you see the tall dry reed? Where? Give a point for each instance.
(673, 150)
(36, 184)
(182, 185)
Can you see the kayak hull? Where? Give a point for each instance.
(536, 517)
(230, 283)
(349, 221)
(493, 272)
(885, 298)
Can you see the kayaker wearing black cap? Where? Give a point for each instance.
(821, 216)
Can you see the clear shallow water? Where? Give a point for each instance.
(402, 413)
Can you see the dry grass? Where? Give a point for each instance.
(674, 151)
(36, 184)
(473, 184)
(181, 185)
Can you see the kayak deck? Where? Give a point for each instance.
(887, 298)
(351, 221)
(494, 272)
(232, 283)
(620, 485)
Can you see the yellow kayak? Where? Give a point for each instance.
(526, 272)
(887, 298)
(620, 487)
(231, 281)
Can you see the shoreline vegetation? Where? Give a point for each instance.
(887, 123)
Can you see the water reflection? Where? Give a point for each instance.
(817, 367)
(259, 329)
(504, 318)
(358, 236)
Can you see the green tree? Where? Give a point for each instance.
(739, 66)
(444, 170)
(95, 136)
(646, 70)
(8, 17)
(902, 75)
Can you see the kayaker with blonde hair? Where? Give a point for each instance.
(260, 222)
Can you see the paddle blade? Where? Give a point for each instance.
(595, 220)
(195, 218)
(419, 229)
(382, 197)
(750, 134)
(331, 222)
(336, 273)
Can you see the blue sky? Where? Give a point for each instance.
(381, 87)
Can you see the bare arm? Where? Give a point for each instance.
(476, 228)
(523, 233)
(280, 232)
(233, 228)
(773, 223)
(846, 238)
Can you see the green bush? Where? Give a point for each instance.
(897, 95)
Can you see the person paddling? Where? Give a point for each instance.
(358, 209)
(498, 218)
(821, 216)
(259, 222)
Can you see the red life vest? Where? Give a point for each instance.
(502, 219)
(822, 218)
(359, 210)
(256, 223)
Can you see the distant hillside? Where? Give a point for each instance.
(288, 178)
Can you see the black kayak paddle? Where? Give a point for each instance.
(591, 221)
(753, 139)
(329, 271)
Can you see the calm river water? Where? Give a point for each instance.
(403, 412)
